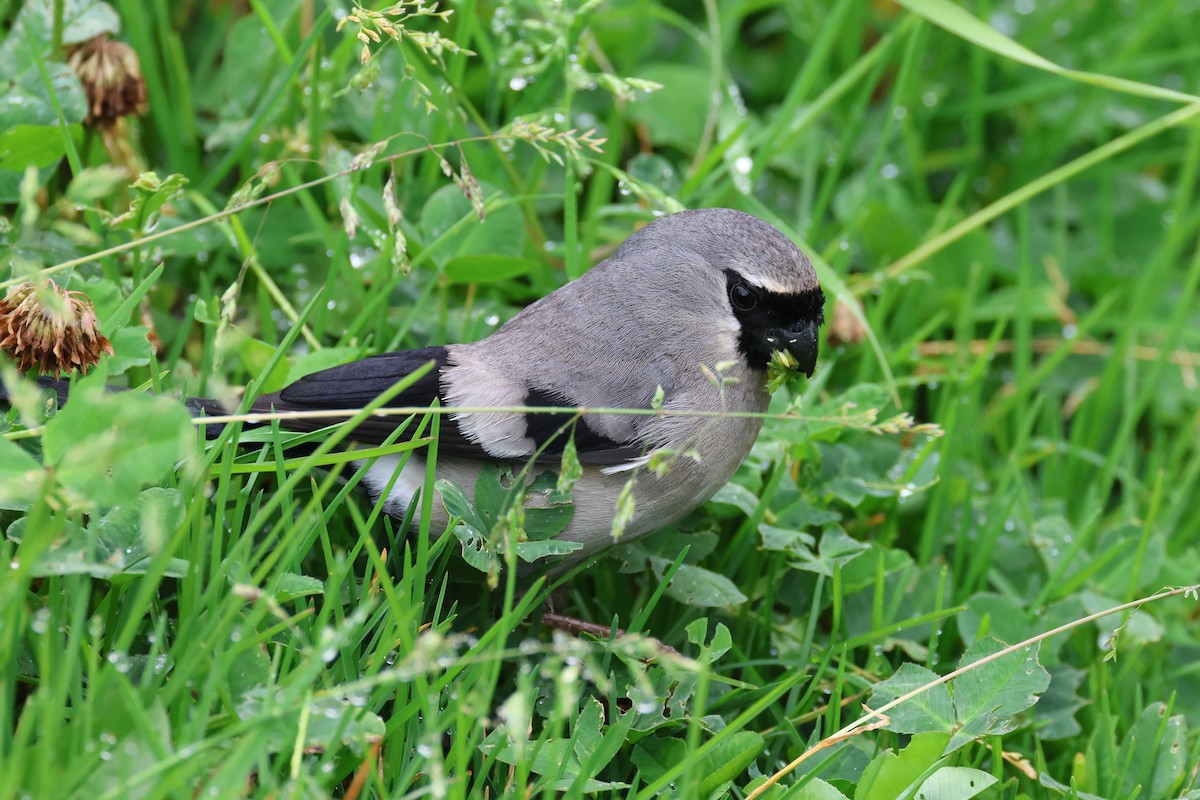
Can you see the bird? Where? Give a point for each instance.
(684, 316)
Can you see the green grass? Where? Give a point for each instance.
(1001, 195)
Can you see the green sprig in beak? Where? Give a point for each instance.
(782, 367)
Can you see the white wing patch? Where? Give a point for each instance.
(501, 434)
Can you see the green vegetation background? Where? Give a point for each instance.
(1005, 190)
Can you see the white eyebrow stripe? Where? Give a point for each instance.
(768, 284)
(774, 287)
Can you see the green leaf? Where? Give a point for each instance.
(710, 651)
(547, 512)
(24, 396)
(291, 586)
(982, 701)
(931, 711)
(21, 476)
(681, 121)
(1156, 751)
(106, 446)
(82, 20)
(1054, 715)
(888, 232)
(1072, 792)
(146, 739)
(587, 731)
(1008, 620)
(796, 543)
(735, 494)
(487, 268)
(122, 542)
(660, 698)
(502, 232)
(249, 669)
(131, 348)
(988, 698)
(817, 789)
(96, 183)
(492, 489)
(150, 194)
(25, 102)
(329, 722)
(594, 747)
(838, 548)
(532, 551)
(728, 759)
(38, 146)
(588, 746)
(340, 721)
(1004, 616)
(256, 355)
(546, 523)
(457, 505)
(804, 514)
(654, 170)
(671, 542)
(654, 756)
(835, 549)
(959, 783)
(474, 547)
(889, 775)
(699, 587)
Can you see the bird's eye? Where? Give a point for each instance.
(742, 298)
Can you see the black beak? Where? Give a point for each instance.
(800, 342)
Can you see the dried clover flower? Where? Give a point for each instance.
(846, 327)
(51, 330)
(112, 79)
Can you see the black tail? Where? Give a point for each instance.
(207, 407)
(60, 387)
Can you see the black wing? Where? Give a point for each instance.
(355, 384)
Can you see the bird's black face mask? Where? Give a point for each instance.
(771, 321)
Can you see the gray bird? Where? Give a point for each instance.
(689, 310)
(686, 297)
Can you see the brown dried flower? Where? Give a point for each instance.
(51, 330)
(112, 79)
(845, 327)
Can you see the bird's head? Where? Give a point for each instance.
(759, 278)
